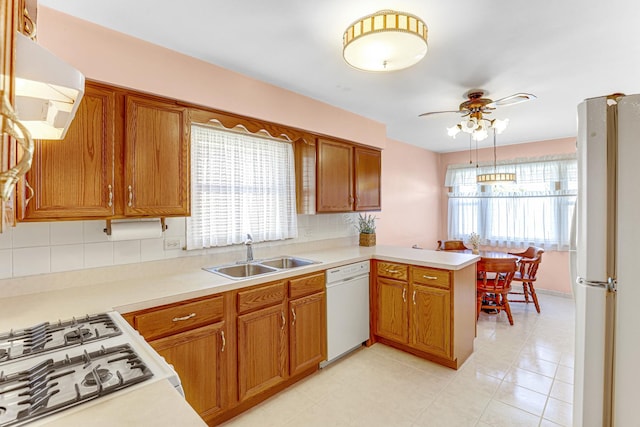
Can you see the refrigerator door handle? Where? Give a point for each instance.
(610, 285)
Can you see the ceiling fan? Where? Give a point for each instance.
(475, 103)
(475, 107)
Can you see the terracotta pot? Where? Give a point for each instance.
(367, 239)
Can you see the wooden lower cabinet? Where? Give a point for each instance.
(419, 310)
(307, 333)
(198, 358)
(431, 320)
(237, 348)
(262, 350)
(391, 310)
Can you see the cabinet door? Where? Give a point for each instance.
(156, 175)
(391, 310)
(431, 320)
(198, 358)
(74, 177)
(367, 179)
(307, 339)
(262, 350)
(335, 176)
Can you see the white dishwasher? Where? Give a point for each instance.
(347, 309)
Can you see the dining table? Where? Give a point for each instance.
(490, 254)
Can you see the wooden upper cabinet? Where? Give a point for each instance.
(335, 176)
(124, 155)
(156, 175)
(367, 179)
(74, 177)
(348, 177)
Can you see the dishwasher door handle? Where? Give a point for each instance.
(330, 284)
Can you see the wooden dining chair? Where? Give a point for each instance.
(526, 274)
(494, 283)
(451, 245)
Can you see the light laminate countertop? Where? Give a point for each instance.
(157, 403)
(131, 294)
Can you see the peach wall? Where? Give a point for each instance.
(414, 199)
(410, 196)
(112, 57)
(554, 272)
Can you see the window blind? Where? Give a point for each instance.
(241, 184)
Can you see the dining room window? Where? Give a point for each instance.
(241, 183)
(535, 210)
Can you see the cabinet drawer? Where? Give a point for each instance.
(307, 285)
(431, 277)
(262, 296)
(392, 270)
(179, 318)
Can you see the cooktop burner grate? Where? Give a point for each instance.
(47, 336)
(58, 383)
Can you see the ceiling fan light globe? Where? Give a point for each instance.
(453, 130)
(469, 126)
(500, 125)
(480, 135)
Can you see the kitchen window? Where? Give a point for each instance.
(536, 210)
(241, 183)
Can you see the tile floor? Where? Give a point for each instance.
(519, 375)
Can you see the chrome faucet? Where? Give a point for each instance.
(248, 243)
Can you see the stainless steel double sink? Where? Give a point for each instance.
(243, 270)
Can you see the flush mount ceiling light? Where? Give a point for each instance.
(385, 41)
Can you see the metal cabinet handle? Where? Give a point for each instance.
(110, 196)
(180, 319)
(224, 341)
(404, 295)
(392, 271)
(130, 196)
(284, 321)
(293, 312)
(414, 297)
(430, 277)
(351, 199)
(31, 193)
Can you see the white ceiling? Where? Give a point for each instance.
(563, 51)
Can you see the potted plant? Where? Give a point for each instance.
(367, 227)
(474, 241)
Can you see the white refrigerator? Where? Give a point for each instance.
(606, 263)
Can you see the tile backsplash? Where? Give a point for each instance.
(51, 247)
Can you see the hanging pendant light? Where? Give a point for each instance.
(495, 177)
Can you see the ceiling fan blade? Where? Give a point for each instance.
(511, 100)
(438, 112)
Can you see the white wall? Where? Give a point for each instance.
(50, 247)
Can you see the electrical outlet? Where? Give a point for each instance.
(170, 244)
